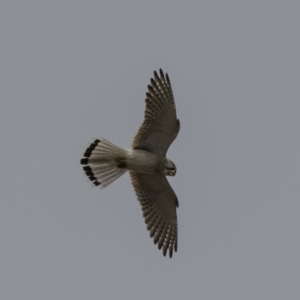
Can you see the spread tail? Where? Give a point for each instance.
(103, 162)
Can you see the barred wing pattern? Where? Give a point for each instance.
(159, 203)
(160, 126)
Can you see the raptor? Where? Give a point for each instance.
(146, 162)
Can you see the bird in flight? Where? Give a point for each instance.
(146, 161)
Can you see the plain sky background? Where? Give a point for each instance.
(72, 71)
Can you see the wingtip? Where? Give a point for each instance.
(165, 251)
(161, 73)
(152, 81)
(168, 79)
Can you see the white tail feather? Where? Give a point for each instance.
(103, 162)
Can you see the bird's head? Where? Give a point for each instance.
(170, 168)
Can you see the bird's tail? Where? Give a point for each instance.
(104, 162)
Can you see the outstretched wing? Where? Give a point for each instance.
(159, 203)
(160, 126)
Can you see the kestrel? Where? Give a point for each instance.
(146, 162)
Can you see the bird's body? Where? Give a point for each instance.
(146, 162)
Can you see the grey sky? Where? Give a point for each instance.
(75, 70)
